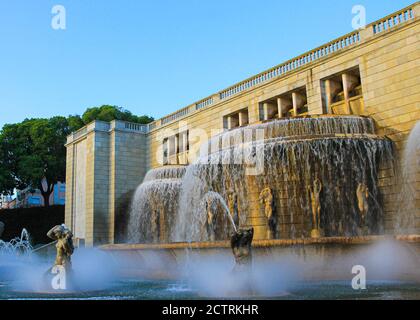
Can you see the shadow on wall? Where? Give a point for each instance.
(36, 220)
(122, 213)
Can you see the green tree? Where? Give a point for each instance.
(109, 113)
(75, 122)
(33, 152)
(6, 177)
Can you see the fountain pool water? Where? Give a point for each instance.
(172, 253)
(318, 270)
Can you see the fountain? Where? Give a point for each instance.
(17, 246)
(318, 197)
(14, 254)
(320, 177)
(154, 205)
(211, 229)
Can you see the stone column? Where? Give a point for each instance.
(232, 122)
(269, 110)
(243, 118)
(229, 122)
(298, 101)
(331, 89)
(283, 105)
(266, 107)
(349, 82)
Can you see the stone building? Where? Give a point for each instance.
(373, 72)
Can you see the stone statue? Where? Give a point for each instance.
(211, 218)
(240, 243)
(267, 199)
(233, 207)
(65, 249)
(362, 193)
(64, 245)
(1, 228)
(315, 191)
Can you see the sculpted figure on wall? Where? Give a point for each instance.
(362, 193)
(314, 192)
(267, 200)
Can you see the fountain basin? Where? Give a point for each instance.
(387, 258)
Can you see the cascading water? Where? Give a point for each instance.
(409, 193)
(154, 206)
(167, 172)
(341, 153)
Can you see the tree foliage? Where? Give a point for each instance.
(32, 153)
(108, 113)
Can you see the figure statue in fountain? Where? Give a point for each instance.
(233, 207)
(315, 191)
(267, 199)
(362, 193)
(240, 243)
(64, 245)
(211, 218)
(65, 249)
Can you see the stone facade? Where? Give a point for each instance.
(115, 156)
(383, 57)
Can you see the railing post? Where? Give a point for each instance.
(416, 10)
(366, 33)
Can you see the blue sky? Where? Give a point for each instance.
(153, 57)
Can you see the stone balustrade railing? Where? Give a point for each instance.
(107, 127)
(294, 64)
(393, 20)
(173, 116)
(136, 127)
(204, 103)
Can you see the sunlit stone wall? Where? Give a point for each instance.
(116, 160)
